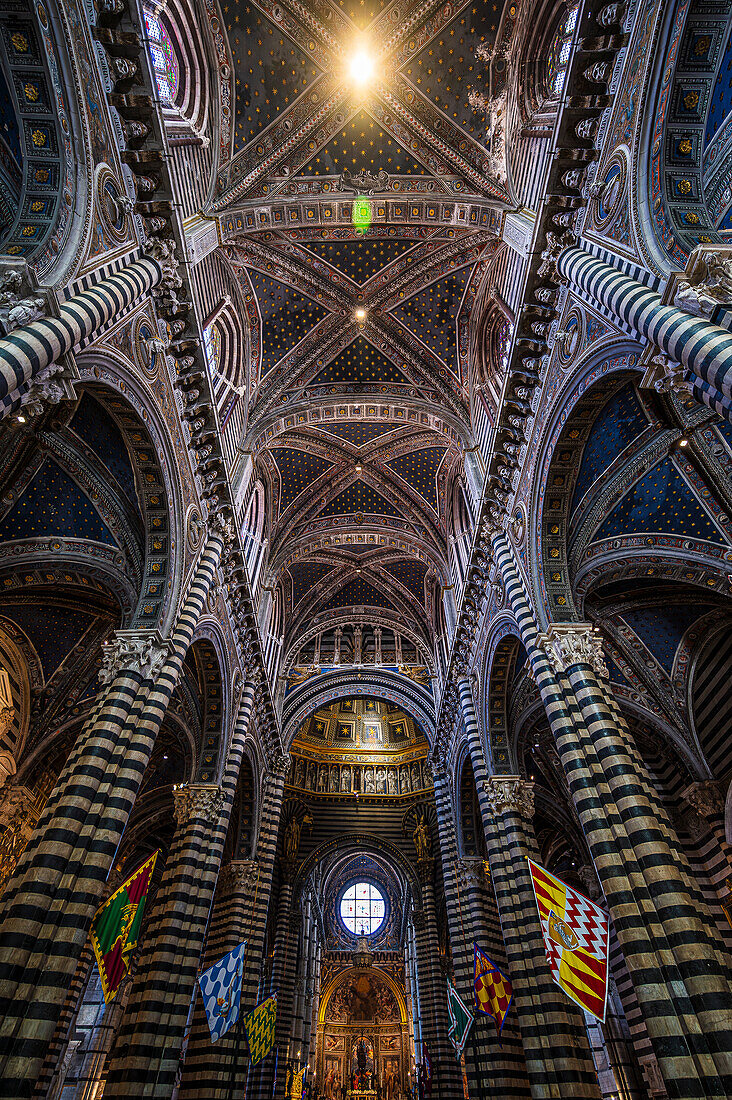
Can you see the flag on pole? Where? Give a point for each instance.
(221, 991)
(116, 926)
(426, 1072)
(576, 939)
(493, 990)
(259, 1025)
(461, 1019)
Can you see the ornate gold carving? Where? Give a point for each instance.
(706, 799)
(239, 876)
(20, 809)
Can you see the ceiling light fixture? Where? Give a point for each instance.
(360, 315)
(683, 443)
(359, 467)
(361, 67)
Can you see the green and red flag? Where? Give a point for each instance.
(461, 1019)
(116, 926)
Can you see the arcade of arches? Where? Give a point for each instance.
(365, 532)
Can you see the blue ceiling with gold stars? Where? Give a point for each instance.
(660, 501)
(287, 316)
(363, 146)
(53, 631)
(297, 470)
(360, 362)
(432, 315)
(305, 574)
(447, 68)
(359, 497)
(93, 424)
(419, 469)
(360, 259)
(358, 591)
(358, 432)
(53, 504)
(270, 71)
(410, 573)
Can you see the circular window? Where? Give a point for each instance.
(363, 908)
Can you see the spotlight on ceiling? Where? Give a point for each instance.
(361, 67)
(360, 315)
(359, 467)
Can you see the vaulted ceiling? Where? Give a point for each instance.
(359, 399)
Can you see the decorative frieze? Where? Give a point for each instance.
(510, 794)
(567, 644)
(139, 651)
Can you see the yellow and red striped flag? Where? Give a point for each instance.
(576, 938)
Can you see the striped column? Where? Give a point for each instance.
(493, 1067)
(556, 1049)
(207, 1069)
(260, 1078)
(148, 1047)
(54, 892)
(284, 969)
(704, 349)
(697, 953)
(446, 1083)
(669, 1017)
(29, 349)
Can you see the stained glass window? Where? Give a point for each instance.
(558, 58)
(503, 345)
(212, 345)
(363, 909)
(162, 52)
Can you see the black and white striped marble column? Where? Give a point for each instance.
(208, 1068)
(495, 1066)
(556, 1048)
(50, 901)
(146, 1057)
(625, 867)
(29, 349)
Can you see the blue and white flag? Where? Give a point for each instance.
(221, 991)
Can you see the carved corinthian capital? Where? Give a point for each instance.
(707, 799)
(239, 876)
(140, 651)
(510, 794)
(191, 800)
(567, 644)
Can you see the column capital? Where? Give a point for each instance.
(239, 875)
(706, 798)
(141, 651)
(418, 920)
(191, 800)
(510, 794)
(567, 644)
(472, 871)
(426, 870)
(279, 764)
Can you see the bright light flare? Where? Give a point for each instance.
(361, 67)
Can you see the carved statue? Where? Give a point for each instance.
(346, 779)
(323, 778)
(381, 780)
(392, 780)
(292, 835)
(369, 780)
(364, 182)
(334, 780)
(421, 838)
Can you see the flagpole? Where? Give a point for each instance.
(237, 1053)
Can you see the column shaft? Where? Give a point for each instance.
(27, 350)
(556, 1049)
(630, 886)
(493, 1067)
(54, 892)
(148, 1047)
(705, 349)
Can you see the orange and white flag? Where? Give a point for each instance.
(576, 938)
